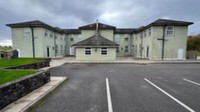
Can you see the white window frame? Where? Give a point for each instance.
(27, 32)
(149, 31)
(102, 50)
(88, 49)
(171, 30)
(117, 37)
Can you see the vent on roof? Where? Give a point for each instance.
(104, 25)
(90, 25)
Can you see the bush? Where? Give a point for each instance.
(193, 43)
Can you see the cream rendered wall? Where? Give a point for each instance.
(24, 44)
(120, 39)
(60, 41)
(95, 55)
(105, 33)
(174, 42)
(76, 38)
(48, 42)
(147, 42)
(40, 40)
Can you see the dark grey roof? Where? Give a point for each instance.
(35, 23)
(92, 26)
(165, 22)
(72, 31)
(161, 22)
(96, 40)
(124, 30)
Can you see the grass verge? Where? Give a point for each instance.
(19, 61)
(10, 75)
(198, 53)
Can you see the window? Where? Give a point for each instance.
(61, 49)
(135, 48)
(126, 49)
(46, 33)
(51, 35)
(104, 51)
(135, 36)
(71, 39)
(27, 32)
(117, 37)
(149, 31)
(117, 50)
(170, 30)
(126, 38)
(141, 35)
(56, 48)
(145, 34)
(87, 51)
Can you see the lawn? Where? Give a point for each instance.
(9, 75)
(198, 54)
(20, 61)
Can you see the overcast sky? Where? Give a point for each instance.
(75, 13)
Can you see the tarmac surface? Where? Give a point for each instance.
(133, 88)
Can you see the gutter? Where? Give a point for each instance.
(33, 40)
(55, 43)
(163, 42)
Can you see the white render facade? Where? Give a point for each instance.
(160, 40)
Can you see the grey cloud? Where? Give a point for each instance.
(121, 13)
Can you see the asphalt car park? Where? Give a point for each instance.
(126, 88)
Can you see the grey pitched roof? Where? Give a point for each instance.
(161, 22)
(35, 23)
(165, 22)
(97, 41)
(92, 26)
(124, 30)
(72, 31)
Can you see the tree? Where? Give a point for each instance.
(193, 43)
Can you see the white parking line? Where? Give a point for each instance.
(191, 81)
(110, 109)
(173, 98)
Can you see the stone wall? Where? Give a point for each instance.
(11, 91)
(37, 65)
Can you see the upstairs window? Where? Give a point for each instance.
(169, 30)
(46, 33)
(71, 39)
(87, 51)
(126, 38)
(27, 32)
(104, 51)
(51, 35)
(145, 34)
(149, 31)
(117, 39)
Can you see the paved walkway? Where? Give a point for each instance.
(122, 60)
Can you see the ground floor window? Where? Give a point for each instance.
(87, 51)
(104, 51)
(117, 49)
(126, 49)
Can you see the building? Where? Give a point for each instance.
(160, 40)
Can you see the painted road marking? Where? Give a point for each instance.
(191, 81)
(173, 98)
(110, 109)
